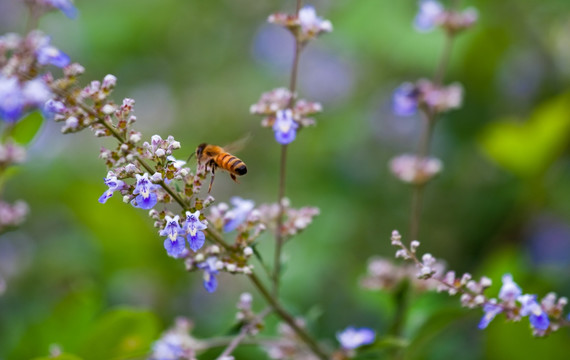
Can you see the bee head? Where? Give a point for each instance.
(200, 150)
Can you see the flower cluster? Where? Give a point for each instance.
(305, 25)
(21, 60)
(176, 343)
(544, 317)
(424, 94)
(432, 13)
(12, 215)
(415, 170)
(295, 221)
(280, 108)
(290, 346)
(384, 274)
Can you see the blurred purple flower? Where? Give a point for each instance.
(405, 99)
(66, 7)
(428, 15)
(491, 310)
(351, 338)
(50, 55)
(210, 269)
(11, 99)
(510, 291)
(536, 315)
(237, 215)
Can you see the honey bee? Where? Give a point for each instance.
(216, 157)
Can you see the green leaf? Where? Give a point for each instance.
(436, 323)
(26, 129)
(528, 148)
(66, 325)
(60, 357)
(120, 334)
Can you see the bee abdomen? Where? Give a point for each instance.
(231, 164)
(241, 170)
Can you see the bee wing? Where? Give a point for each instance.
(237, 145)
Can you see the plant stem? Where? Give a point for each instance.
(444, 60)
(418, 189)
(283, 170)
(285, 316)
(430, 118)
(245, 329)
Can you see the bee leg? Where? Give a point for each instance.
(213, 169)
(234, 178)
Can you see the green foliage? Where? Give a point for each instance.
(119, 334)
(528, 148)
(26, 129)
(59, 357)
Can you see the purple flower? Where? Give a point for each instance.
(174, 243)
(50, 55)
(114, 184)
(405, 100)
(491, 310)
(66, 7)
(53, 107)
(285, 127)
(210, 268)
(11, 99)
(428, 15)
(536, 315)
(194, 227)
(146, 198)
(351, 338)
(510, 291)
(237, 215)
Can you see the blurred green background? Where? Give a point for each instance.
(194, 67)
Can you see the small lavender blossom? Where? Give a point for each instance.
(66, 7)
(405, 100)
(428, 16)
(491, 310)
(210, 268)
(237, 215)
(194, 227)
(510, 291)
(536, 315)
(351, 338)
(146, 198)
(114, 184)
(285, 127)
(174, 243)
(310, 23)
(50, 55)
(11, 99)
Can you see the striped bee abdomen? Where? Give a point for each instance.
(231, 163)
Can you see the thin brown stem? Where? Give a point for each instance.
(245, 330)
(418, 189)
(430, 118)
(283, 169)
(278, 230)
(285, 316)
(444, 60)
